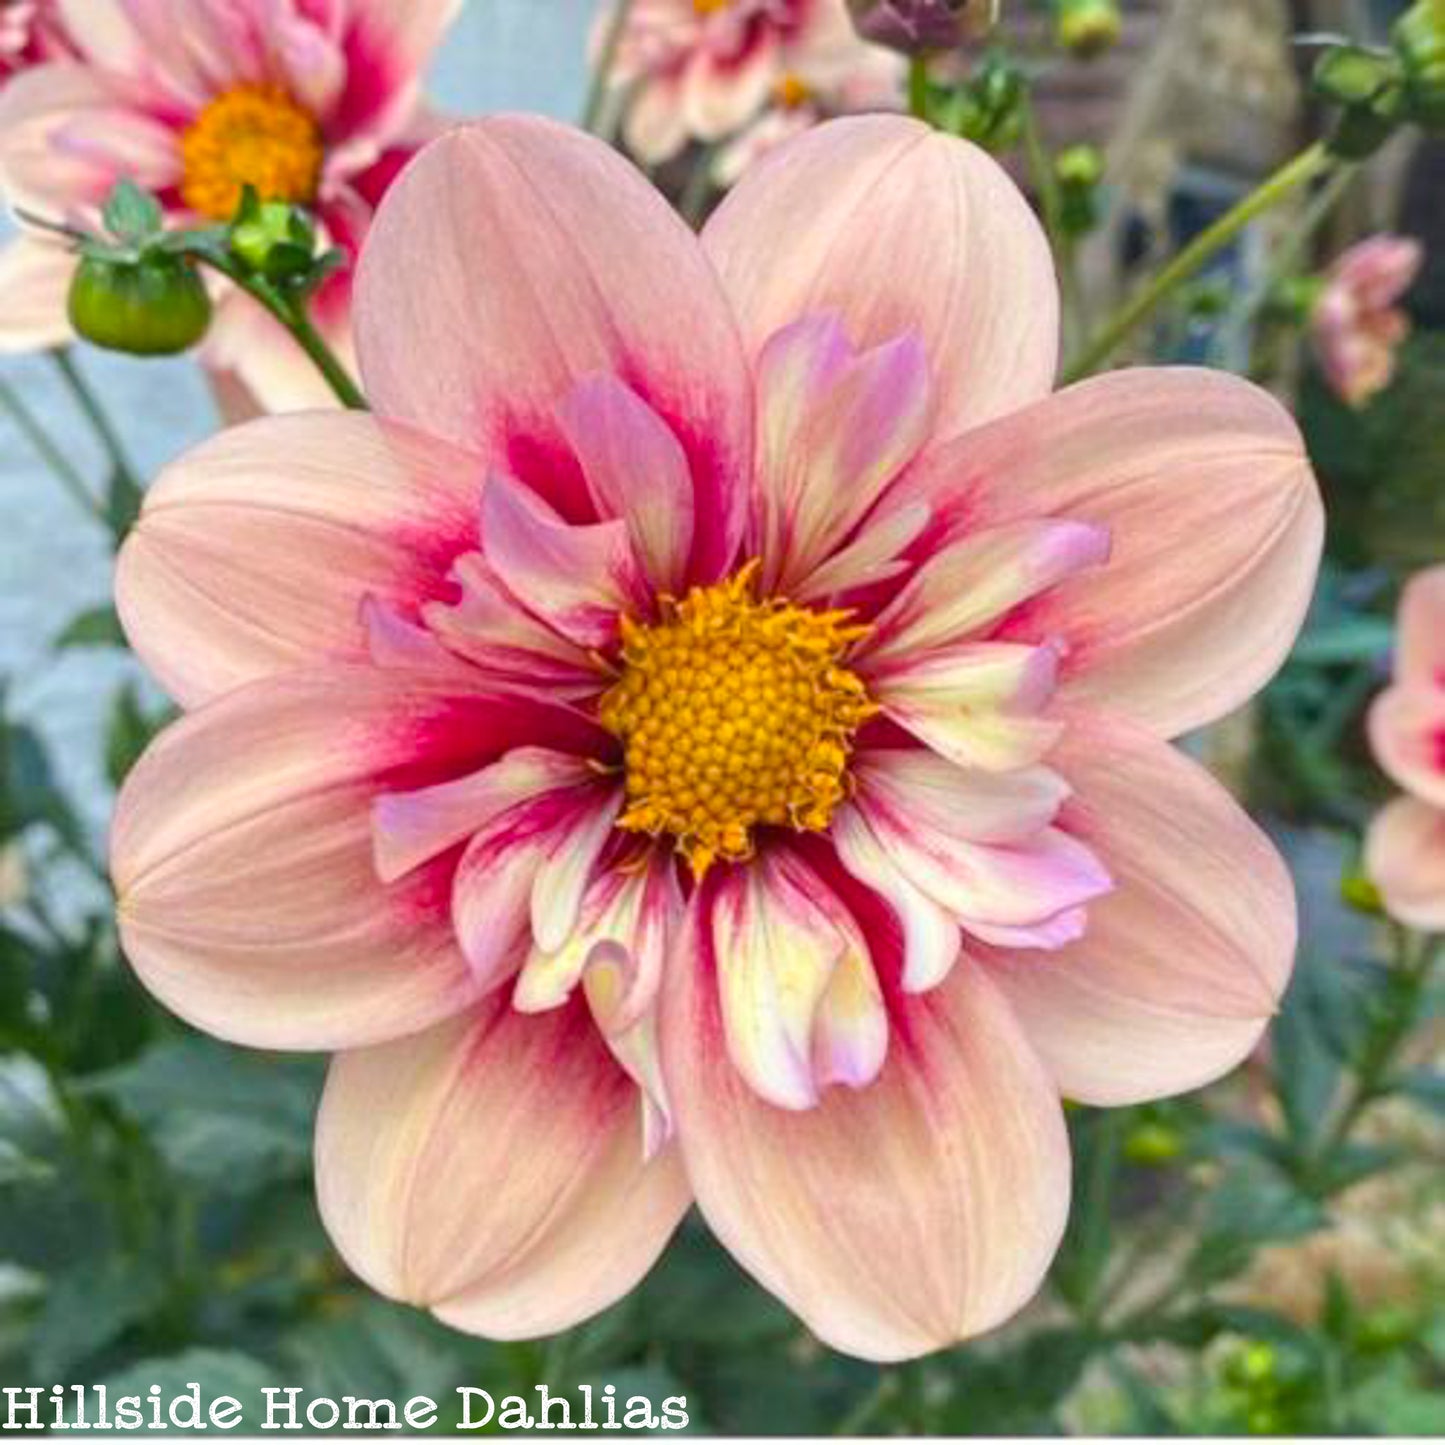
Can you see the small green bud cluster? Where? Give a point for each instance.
(1379, 89)
(138, 288)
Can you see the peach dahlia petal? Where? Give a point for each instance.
(1183, 963)
(895, 1219)
(897, 229)
(535, 234)
(492, 1170)
(1215, 527)
(257, 551)
(242, 854)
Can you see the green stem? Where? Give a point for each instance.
(1407, 985)
(918, 91)
(1314, 161)
(602, 72)
(1046, 184)
(293, 316)
(66, 472)
(95, 414)
(693, 203)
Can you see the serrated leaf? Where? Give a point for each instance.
(130, 213)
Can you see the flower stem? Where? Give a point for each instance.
(292, 316)
(602, 71)
(1046, 184)
(66, 472)
(1309, 163)
(918, 95)
(1406, 990)
(95, 414)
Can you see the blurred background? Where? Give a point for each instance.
(1237, 1263)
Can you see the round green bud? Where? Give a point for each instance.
(1360, 893)
(1153, 1144)
(157, 306)
(1087, 28)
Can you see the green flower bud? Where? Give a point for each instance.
(156, 306)
(274, 238)
(1087, 28)
(1419, 37)
(1153, 1144)
(1361, 894)
(1079, 169)
(1252, 1364)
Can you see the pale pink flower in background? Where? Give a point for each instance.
(31, 33)
(1405, 847)
(703, 70)
(315, 101)
(703, 736)
(1356, 322)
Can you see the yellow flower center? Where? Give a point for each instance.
(792, 91)
(253, 135)
(710, 7)
(734, 713)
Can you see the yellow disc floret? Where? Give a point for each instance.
(734, 712)
(253, 135)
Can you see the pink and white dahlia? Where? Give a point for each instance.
(1357, 323)
(1405, 847)
(312, 101)
(705, 70)
(703, 736)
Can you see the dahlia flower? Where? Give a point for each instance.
(703, 735)
(705, 70)
(309, 102)
(1356, 323)
(1405, 847)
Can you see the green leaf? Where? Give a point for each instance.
(233, 1121)
(87, 1308)
(217, 1372)
(123, 500)
(1254, 1205)
(1425, 1087)
(128, 732)
(131, 214)
(96, 627)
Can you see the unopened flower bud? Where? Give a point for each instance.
(1079, 169)
(918, 26)
(1153, 1144)
(155, 306)
(274, 238)
(1419, 37)
(1087, 28)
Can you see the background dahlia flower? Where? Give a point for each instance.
(31, 32)
(1405, 847)
(313, 101)
(1357, 323)
(703, 736)
(705, 70)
